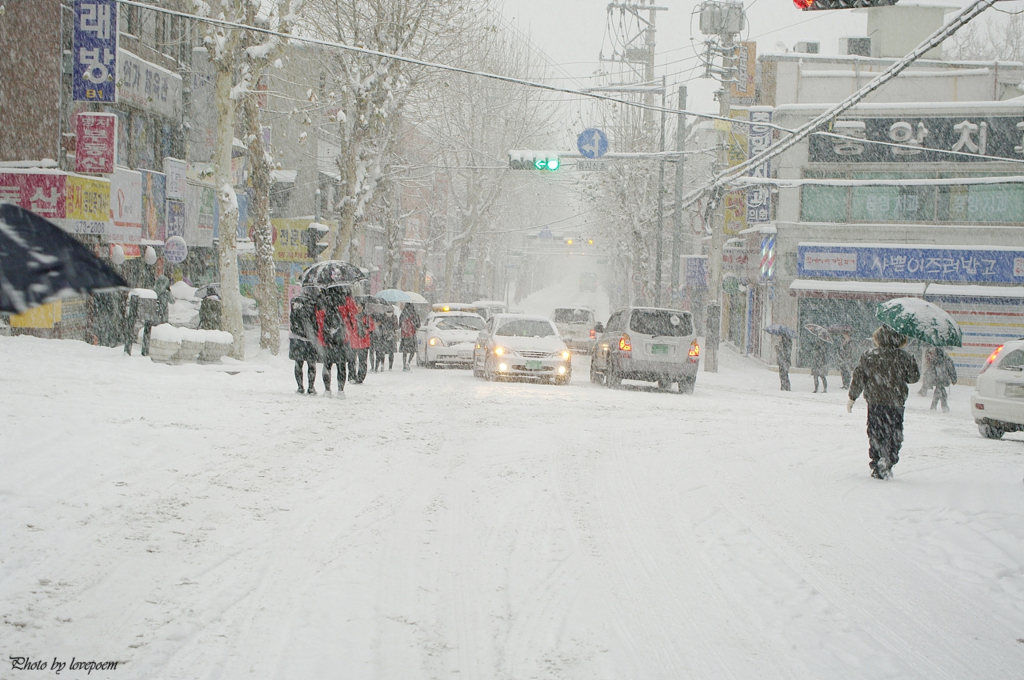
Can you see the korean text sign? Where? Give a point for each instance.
(96, 142)
(952, 264)
(94, 51)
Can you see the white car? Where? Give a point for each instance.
(522, 346)
(447, 338)
(576, 326)
(998, 400)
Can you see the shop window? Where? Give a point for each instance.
(823, 204)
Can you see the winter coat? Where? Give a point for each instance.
(784, 353)
(303, 343)
(819, 358)
(885, 371)
(388, 330)
(358, 324)
(845, 353)
(409, 322)
(331, 329)
(942, 367)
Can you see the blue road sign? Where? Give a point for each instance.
(592, 143)
(95, 51)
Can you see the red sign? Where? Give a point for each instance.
(96, 142)
(42, 192)
(408, 257)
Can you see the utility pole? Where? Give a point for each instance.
(724, 20)
(677, 212)
(661, 202)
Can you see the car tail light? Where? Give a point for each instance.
(991, 358)
(593, 335)
(694, 349)
(624, 343)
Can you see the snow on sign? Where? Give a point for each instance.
(592, 143)
(147, 86)
(95, 142)
(94, 51)
(912, 263)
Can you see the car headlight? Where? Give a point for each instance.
(501, 351)
(565, 354)
(435, 341)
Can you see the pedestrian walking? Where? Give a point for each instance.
(882, 375)
(819, 363)
(359, 325)
(388, 333)
(303, 346)
(845, 358)
(784, 357)
(332, 335)
(408, 322)
(944, 375)
(927, 371)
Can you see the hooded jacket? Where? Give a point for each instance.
(885, 371)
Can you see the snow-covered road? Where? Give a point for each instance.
(207, 522)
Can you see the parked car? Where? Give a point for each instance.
(250, 310)
(998, 400)
(447, 338)
(647, 343)
(576, 326)
(488, 308)
(521, 346)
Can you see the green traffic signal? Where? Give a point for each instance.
(533, 160)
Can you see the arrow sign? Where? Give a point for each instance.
(592, 143)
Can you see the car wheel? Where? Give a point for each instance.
(664, 383)
(595, 375)
(490, 375)
(563, 379)
(613, 378)
(989, 431)
(477, 373)
(686, 385)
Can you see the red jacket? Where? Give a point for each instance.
(359, 325)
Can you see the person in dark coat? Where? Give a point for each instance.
(302, 340)
(388, 326)
(944, 375)
(819, 363)
(846, 360)
(335, 303)
(927, 371)
(210, 311)
(784, 356)
(883, 375)
(408, 322)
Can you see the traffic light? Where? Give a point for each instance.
(314, 246)
(533, 160)
(841, 4)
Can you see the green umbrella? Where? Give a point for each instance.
(922, 320)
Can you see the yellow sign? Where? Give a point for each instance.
(746, 66)
(43, 316)
(87, 205)
(290, 240)
(736, 201)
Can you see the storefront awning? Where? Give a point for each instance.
(855, 289)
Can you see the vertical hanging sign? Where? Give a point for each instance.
(759, 198)
(94, 52)
(96, 142)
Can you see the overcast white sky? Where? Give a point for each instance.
(572, 33)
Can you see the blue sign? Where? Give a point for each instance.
(592, 143)
(922, 263)
(94, 52)
(175, 217)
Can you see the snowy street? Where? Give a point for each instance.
(207, 522)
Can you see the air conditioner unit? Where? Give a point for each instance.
(807, 47)
(855, 47)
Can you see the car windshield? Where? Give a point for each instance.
(572, 316)
(664, 322)
(460, 323)
(1013, 361)
(526, 328)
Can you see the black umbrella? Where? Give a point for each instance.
(331, 273)
(40, 263)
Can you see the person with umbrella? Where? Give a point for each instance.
(408, 322)
(303, 347)
(819, 362)
(335, 304)
(359, 325)
(882, 376)
(385, 338)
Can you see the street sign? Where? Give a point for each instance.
(591, 166)
(592, 143)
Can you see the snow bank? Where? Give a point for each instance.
(144, 293)
(165, 332)
(183, 291)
